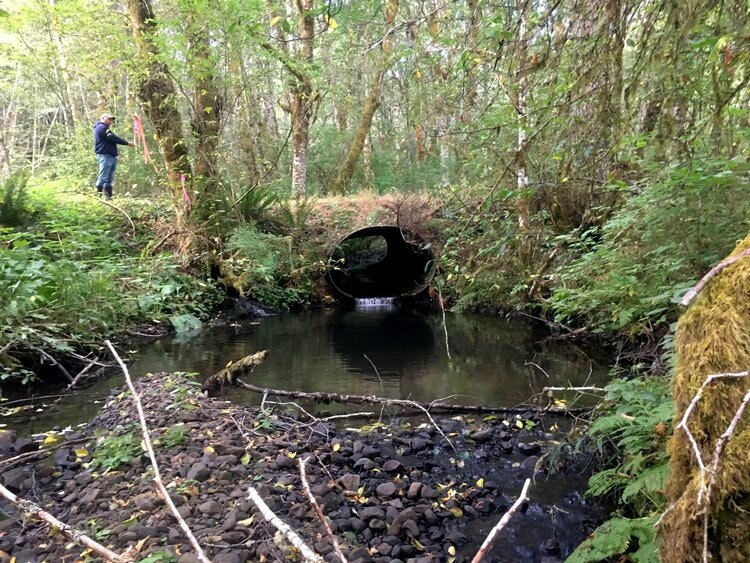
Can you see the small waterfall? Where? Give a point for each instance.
(375, 303)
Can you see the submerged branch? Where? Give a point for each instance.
(320, 397)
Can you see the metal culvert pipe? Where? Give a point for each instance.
(381, 261)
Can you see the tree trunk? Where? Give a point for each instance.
(157, 96)
(208, 105)
(302, 98)
(522, 179)
(358, 142)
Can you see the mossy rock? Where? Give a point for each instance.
(713, 337)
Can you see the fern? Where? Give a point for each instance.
(616, 536)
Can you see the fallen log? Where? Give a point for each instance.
(433, 406)
(229, 374)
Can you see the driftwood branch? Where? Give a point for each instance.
(157, 474)
(433, 406)
(307, 553)
(319, 512)
(715, 271)
(31, 510)
(232, 371)
(482, 553)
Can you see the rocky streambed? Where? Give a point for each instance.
(393, 491)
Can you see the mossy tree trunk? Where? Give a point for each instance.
(156, 93)
(358, 142)
(713, 337)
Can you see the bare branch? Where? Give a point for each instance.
(716, 270)
(307, 553)
(501, 524)
(157, 475)
(319, 512)
(31, 510)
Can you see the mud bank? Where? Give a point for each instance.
(397, 492)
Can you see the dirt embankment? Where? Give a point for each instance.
(402, 492)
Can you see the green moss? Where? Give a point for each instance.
(713, 337)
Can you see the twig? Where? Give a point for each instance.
(705, 489)
(501, 524)
(157, 475)
(445, 326)
(577, 389)
(690, 295)
(307, 553)
(55, 362)
(29, 509)
(81, 373)
(319, 512)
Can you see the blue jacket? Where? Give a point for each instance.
(105, 142)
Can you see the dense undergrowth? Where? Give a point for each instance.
(73, 271)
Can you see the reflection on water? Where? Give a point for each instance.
(399, 354)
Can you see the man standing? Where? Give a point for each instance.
(105, 147)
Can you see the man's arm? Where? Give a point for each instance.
(115, 139)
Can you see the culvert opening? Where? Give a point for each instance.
(381, 262)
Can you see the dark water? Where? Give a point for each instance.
(398, 354)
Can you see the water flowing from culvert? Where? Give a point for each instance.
(375, 304)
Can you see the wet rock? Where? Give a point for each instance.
(481, 435)
(350, 481)
(392, 465)
(364, 463)
(529, 448)
(386, 489)
(198, 472)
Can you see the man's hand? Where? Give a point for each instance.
(131, 144)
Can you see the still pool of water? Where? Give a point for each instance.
(404, 354)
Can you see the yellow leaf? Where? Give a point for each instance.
(84, 553)
(519, 424)
(245, 459)
(417, 74)
(139, 545)
(208, 450)
(247, 522)
(52, 438)
(451, 550)
(480, 482)
(331, 22)
(336, 447)
(457, 512)
(276, 20)
(81, 452)
(291, 455)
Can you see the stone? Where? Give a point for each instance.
(198, 472)
(350, 481)
(386, 489)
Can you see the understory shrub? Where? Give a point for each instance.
(14, 210)
(656, 247)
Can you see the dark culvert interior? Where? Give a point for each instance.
(381, 261)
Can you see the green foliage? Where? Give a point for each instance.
(113, 451)
(72, 277)
(174, 436)
(663, 239)
(636, 537)
(630, 432)
(14, 209)
(255, 202)
(263, 267)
